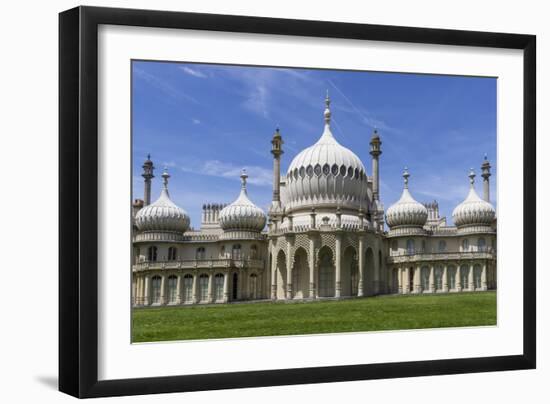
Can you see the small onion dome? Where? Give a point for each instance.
(163, 214)
(242, 214)
(326, 174)
(473, 211)
(406, 211)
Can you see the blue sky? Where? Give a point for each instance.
(207, 122)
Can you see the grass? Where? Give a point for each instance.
(280, 318)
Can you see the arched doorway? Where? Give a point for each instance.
(300, 275)
(326, 273)
(350, 272)
(253, 286)
(281, 275)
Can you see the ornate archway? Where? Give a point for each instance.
(350, 272)
(326, 273)
(300, 274)
(281, 275)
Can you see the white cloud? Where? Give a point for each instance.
(162, 85)
(196, 121)
(256, 175)
(193, 72)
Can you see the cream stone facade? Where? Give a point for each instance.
(325, 237)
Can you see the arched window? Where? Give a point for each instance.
(254, 252)
(172, 253)
(438, 278)
(253, 286)
(477, 276)
(481, 244)
(451, 277)
(425, 278)
(152, 253)
(155, 289)
(235, 286)
(172, 289)
(203, 288)
(136, 254)
(187, 288)
(394, 245)
(200, 254)
(218, 287)
(465, 245)
(442, 246)
(410, 246)
(222, 252)
(236, 252)
(464, 277)
(423, 246)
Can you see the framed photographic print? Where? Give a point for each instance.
(251, 201)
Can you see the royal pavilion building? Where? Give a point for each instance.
(323, 237)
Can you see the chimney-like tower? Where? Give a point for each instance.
(277, 151)
(485, 174)
(375, 152)
(147, 176)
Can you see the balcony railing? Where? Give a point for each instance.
(407, 256)
(200, 264)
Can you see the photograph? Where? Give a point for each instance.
(281, 200)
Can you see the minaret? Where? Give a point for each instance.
(148, 176)
(276, 150)
(486, 173)
(375, 152)
(165, 177)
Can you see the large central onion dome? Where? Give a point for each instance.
(163, 214)
(473, 211)
(326, 174)
(242, 214)
(406, 212)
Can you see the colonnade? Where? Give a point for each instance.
(432, 277)
(282, 270)
(192, 287)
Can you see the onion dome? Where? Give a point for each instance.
(326, 174)
(473, 211)
(242, 214)
(163, 214)
(406, 211)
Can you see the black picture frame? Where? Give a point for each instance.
(78, 196)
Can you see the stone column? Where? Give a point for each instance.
(226, 287)
(407, 281)
(445, 280)
(416, 280)
(484, 276)
(178, 289)
(458, 280)
(289, 269)
(311, 256)
(163, 289)
(146, 291)
(210, 284)
(399, 280)
(432, 279)
(195, 287)
(273, 277)
(338, 265)
(471, 284)
(361, 264)
(137, 298)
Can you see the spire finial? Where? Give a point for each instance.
(165, 177)
(485, 157)
(327, 109)
(148, 156)
(244, 176)
(472, 175)
(406, 176)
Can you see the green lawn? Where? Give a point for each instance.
(280, 318)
